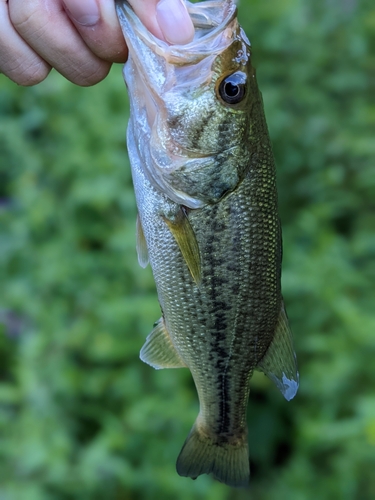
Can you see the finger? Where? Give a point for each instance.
(45, 26)
(167, 19)
(146, 11)
(97, 23)
(17, 60)
(174, 21)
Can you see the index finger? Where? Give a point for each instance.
(97, 23)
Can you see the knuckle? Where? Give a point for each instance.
(35, 76)
(90, 74)
(112, 54)
(28, 76)
(24, 18)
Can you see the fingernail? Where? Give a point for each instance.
(174, 21)
(84, 12)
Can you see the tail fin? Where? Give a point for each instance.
(228, 462)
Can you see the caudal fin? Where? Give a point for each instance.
(227, 461)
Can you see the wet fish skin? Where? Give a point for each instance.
(205, 184)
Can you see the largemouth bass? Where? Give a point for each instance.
(205, 185)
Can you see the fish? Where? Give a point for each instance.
(205, 185)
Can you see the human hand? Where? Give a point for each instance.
(79, 38)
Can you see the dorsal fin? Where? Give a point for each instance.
(185, 237)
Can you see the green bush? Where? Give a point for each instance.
(80, 416)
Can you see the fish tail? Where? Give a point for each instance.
(226, 458)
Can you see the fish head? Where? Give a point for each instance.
(191, 105)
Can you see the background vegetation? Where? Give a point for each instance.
(81, 418)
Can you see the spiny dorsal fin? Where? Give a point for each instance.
(279, 362)
(184, 235)
(159, 351)
(141, 245)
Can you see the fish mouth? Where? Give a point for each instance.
(153, 57)
(154, 66)
(210, 18)
(156, 73)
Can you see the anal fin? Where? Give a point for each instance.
(184, 235)
(279, 363)
(159, 351)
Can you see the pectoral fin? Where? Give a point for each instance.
(159, 351)
(184, 235)
(279, 363)
(141, 245)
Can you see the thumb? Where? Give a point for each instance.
(169, 20)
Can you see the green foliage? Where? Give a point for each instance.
(80, 416)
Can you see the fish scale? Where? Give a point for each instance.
(205, 186)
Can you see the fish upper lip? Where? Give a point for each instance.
(209, 154)
(201, 46)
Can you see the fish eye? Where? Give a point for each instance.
(232, 89)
